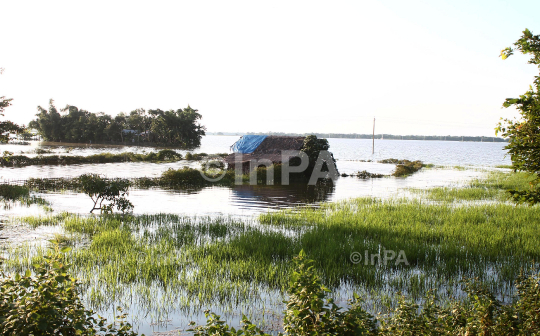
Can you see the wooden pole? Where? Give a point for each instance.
(373, 146)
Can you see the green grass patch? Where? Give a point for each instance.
(494, 186)
(205, 261)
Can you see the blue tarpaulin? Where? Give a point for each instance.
(248, 143)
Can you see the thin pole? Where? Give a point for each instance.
(373, 146)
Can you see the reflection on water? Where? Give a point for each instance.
(279, 196)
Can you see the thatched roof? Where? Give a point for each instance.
(275, 144)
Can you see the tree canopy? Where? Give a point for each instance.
(6, 126)
(175, 128)
(524, 133)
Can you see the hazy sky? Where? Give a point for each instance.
(419, 67)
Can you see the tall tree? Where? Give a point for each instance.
(524, 133)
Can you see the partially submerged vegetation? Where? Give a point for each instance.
(12, 194)
(182, 178)
(201, 262)
(165, 155)
(222, 262)
(406, 167)
(49, 303)
(46, 302)
(310, 311)
(364, 174)
(495, 186)
(403, 168)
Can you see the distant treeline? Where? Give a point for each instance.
(178, 128)
(377, 136)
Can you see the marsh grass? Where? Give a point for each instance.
(164, 262)
(493, 187)
(165, 155)
(11, 195)
(182, 178)
(204, 261)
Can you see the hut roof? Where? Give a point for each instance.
(270, 149)
(276, 144)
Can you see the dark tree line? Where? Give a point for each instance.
(176, 128)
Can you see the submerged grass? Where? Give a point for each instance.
(493, 187)
(160, 261)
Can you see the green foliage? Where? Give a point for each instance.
(215, 326)
(177, 128)
(407, 167)
(309, 312)
(312, 146)
(188, 178)
(19, 194)
(13, 192)
(103, 190)
(494, 186)
(165, 155)
(47, 303)
(196, 156)
(524, 134)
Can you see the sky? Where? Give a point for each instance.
(418, 67)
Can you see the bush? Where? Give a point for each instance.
(309, 312)
(407, 167)
(168, 155)
(12, 192)
(47, 303)
(112, 191)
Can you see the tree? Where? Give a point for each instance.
(7, 126)
(524, 133)
(174, 128)
(101, 190)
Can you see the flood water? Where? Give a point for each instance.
(246, 200)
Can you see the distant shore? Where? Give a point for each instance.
(377, 136)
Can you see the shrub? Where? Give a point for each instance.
(168, 155)
(12, 192)
(407, 167)
(309, 312)
(47, 303)
(112, 191)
